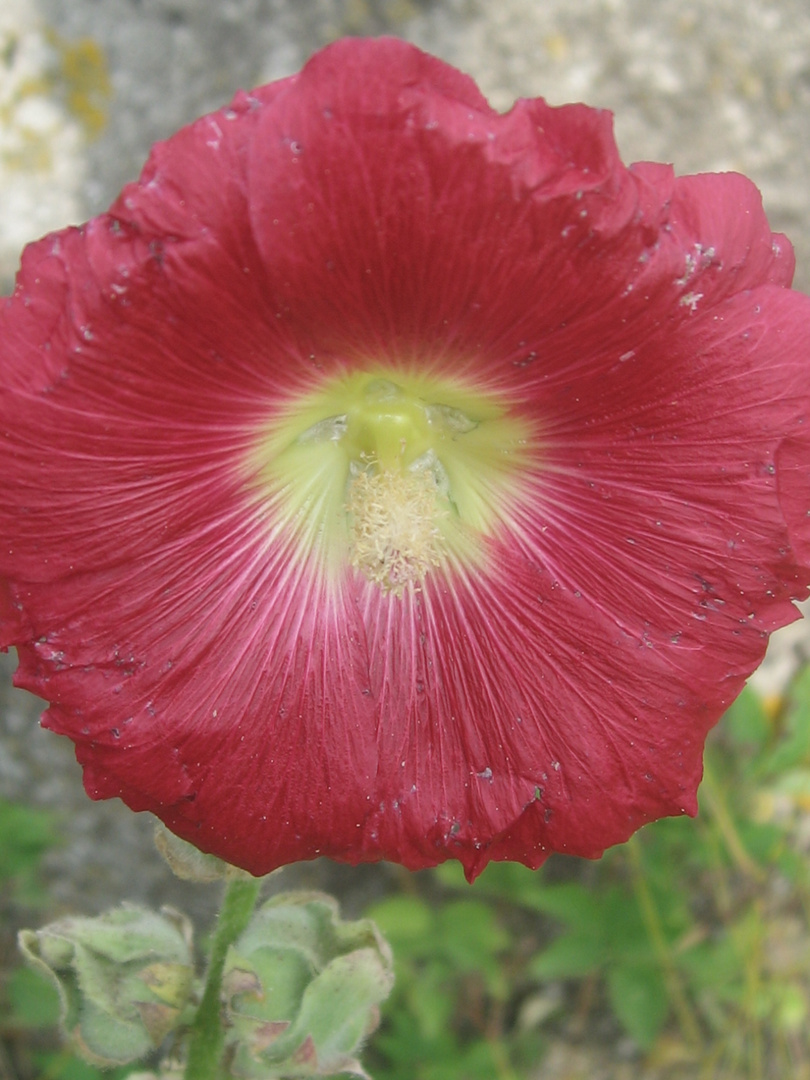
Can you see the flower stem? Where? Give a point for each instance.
(207, 1037)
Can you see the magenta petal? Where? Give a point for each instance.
(553, 695)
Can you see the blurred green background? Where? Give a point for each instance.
(684, 953)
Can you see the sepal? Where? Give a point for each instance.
(123, 978)
(189, 863)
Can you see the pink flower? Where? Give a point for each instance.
(384, 477)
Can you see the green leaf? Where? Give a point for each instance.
(64, 1066)
(25, 834)
(337, 1005)
(472, 940)
(431, 1002)
(713, 966)
(570, 956)
(33, 1000)
(800, 691)
(469, 933)
(571, 903)
(405, 921)
(746, 722)
(793, 748)
(505, 880)
(638, 997)
(75, 1069)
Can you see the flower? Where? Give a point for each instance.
(385, 477)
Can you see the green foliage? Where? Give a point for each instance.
(693, 939)
(32, 1008)
(29, 1003)
(694, 934)
(25, 835)
(32, 999)
(444, 1018)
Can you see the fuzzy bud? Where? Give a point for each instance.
(123, 978)
(301, 989)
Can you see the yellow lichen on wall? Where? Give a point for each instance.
(54, 96)
(82, 80)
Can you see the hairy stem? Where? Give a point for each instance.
(207, 1036)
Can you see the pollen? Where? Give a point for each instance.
(395, 536)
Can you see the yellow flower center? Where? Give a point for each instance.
(391, 472)
(393, 526)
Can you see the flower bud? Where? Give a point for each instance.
(301, 989)
(189, 863)
(123, 978)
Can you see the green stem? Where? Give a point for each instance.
(718, 808)
(207, 1037)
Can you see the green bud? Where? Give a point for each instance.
(190, 864)
(302, 988)
(123, 978)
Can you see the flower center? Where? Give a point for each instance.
(391, 472)
(393, 522)
(398, 490)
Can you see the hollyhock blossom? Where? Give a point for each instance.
(385, 477)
